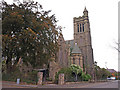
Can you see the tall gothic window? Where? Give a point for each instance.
(73, 60)
(78, 27)
(83, 27)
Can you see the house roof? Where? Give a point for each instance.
(111, 70)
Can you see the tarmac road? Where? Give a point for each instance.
(110, 84)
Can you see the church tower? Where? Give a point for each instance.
(82, 36)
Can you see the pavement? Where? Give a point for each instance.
(9, 84)
(109, 84)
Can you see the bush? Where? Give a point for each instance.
(30, 78)
(70, 74)
(66, 71)
(88, 76)
(85, 77)
(12, 76)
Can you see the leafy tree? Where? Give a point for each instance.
(101, 73)
(28, 33)
(104, 73)
(76, 69)
(68, 72)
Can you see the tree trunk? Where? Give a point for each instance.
(9, 63)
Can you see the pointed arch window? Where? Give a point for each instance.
(78, 27)
(83, 27)
(73, 60)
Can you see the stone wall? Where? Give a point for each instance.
(63, 52)
(40, 78)
(54, 67)
(61, 79)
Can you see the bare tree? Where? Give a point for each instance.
(118, 46)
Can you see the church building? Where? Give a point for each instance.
(79, 50)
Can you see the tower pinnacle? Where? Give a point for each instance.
(85, 9)
(85, 12)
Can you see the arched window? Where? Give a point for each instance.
(78, 27)
(73, 60)
(83, 27)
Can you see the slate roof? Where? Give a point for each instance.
(71, 42)
(111, 70)
(75, 48)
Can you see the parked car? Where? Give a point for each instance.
(111, 78)
(108, 78)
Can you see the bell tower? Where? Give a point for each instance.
(82, 36)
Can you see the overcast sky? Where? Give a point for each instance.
(103, 17)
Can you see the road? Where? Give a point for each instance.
(109, 84)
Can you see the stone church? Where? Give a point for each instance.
(77, 51)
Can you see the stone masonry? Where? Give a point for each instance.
(61, 79)
(79, 50)
(40, 78)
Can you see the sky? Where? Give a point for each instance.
(103, 17)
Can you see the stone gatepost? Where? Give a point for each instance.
(61, 79)
(40, 78)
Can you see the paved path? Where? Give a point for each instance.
(110, 84)
(8, 84)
